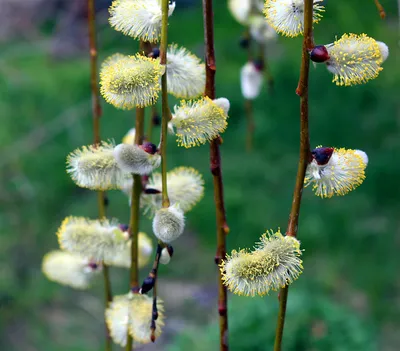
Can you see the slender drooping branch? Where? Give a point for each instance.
(266, 68)
(215, 165)
(96, 112)
(248, 107)
(165, 108)
(380, 8)
(302, 91)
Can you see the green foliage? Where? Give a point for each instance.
(312, 323)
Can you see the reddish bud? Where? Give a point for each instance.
(155, 53)
(150, 148)
(322, 155)
(319, 54)
(258, 64)
(170, 250)
(124, 227)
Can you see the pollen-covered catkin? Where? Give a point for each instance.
(185, 187)
(95, 167)
(199, 121)
(273, 264)
(100, 240)
(355, 59)
(69, 269)
(168, 223)
(335, 171)
(140, 19)
(287, 16)
(133, 159)
(127, 82)
(123, 258)
(141, 307)
(186, 75)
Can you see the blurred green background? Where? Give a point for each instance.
(348, 297)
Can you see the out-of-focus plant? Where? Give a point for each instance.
(256, 39)
(313, 323)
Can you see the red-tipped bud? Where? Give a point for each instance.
(170, 250)
(149, 148)
(319, 54)
(322, 155)
(258, 64)
(155, 53)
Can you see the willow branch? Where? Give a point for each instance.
(96, 113)
(266, 68)
(302, 91)
(380, 8)
(215, 165)
(248, 105)
(165, 108)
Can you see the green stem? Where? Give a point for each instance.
(302, 91)
(165, 108)
(216, 170)
(134, 219)
(96, 112)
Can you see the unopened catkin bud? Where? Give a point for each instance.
(168, 224)
(165, 257)
(133, 159)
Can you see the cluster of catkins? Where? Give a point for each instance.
(128, 82)
(353, 59)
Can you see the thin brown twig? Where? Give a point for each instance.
(266, 68)
(302, 91)
(380, 8)
(248, 105)
(215, 165)
(96, 111)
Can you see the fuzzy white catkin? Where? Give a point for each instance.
(168, 224)
(250, 81)
(224, 104)
(383, 48)
(133, 159)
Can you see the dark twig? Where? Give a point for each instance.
(215, 165)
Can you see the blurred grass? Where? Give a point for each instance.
(351, 243)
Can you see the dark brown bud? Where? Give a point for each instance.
(156, 120)
(124, 227)
(258, 64)
(155, 53)
(147, 285)
(170, 250)
(319, 54)
(150, 148)
(151, 191)
(322, 155)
